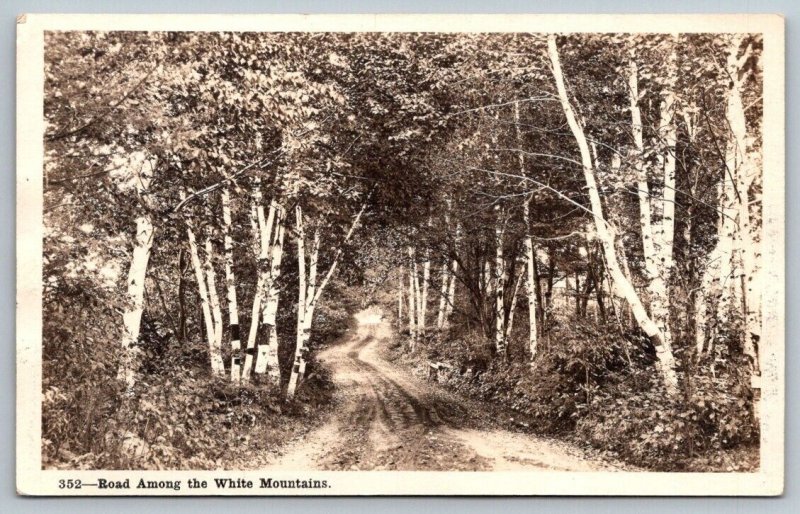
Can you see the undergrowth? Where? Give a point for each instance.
(597, 387)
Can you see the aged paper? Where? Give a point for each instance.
(400, 255)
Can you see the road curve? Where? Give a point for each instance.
(385, 419)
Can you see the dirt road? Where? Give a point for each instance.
(385, 419)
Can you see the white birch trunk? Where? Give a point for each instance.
(741, 162)
(622, 284)
(642, 186)
(658, 240)
(731, 275)
(267, 344)
(141, 173)
(530, 256)
(230, 282)
(301, 299)
(513, 307)
(451, 294)
(499, 287)
(200, 277)
(426, 279)
(132, 316)
(310, 291)
(659, 287)
(270, 361)
(418, 322)
(217, 365)
(263, 227)
(412, 304)
(451, 286)
(445, 280)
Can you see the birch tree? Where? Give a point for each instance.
(657, 239)
(230, 286)
(139, 169)
(621, 283)
(310, 290)
(731, 279)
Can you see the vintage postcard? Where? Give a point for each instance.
(400, 255)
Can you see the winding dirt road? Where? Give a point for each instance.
(386, 419)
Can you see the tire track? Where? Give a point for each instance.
(389, 421)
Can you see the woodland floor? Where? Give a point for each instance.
(384, 418)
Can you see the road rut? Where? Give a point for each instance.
(385, 419)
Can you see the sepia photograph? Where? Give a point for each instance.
(520, 255)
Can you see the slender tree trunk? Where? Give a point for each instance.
(660, 286)
(642, 185)
(301, 298)
(310, 291)
(273, 297)
(210, 329)
(499, 287)
(658, 241)
(622, 284)
(132, 316)
(486, 279)
(217, 365)
(426, 279)
(412, 304)
(445, 281)
(142, 173)
(451, 293)
(539, 302)
(729, 278)
(305, 301)
(548, 296)
(741, 163)
(267, 354)
(531, 284)
(230, 282)
(530, 255)
(419, 323)
(451, 286)
(262, 226)
(513, 306)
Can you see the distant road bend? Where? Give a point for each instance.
(387, 420)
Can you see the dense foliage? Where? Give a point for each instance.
(572, 223)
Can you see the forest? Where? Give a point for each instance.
(560, 232)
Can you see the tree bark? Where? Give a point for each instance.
(141, 169)
(412, 304)
(262, 234)
(531, 283)
(426, 279)
(310, 291)
(419, 323)
(513, 306)
(445, 281)
(451, 293)
(622, 284)
(499, 287)
(132, 316)
(202, 287)
(230, 283)
(217, 365)
(267, 354)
